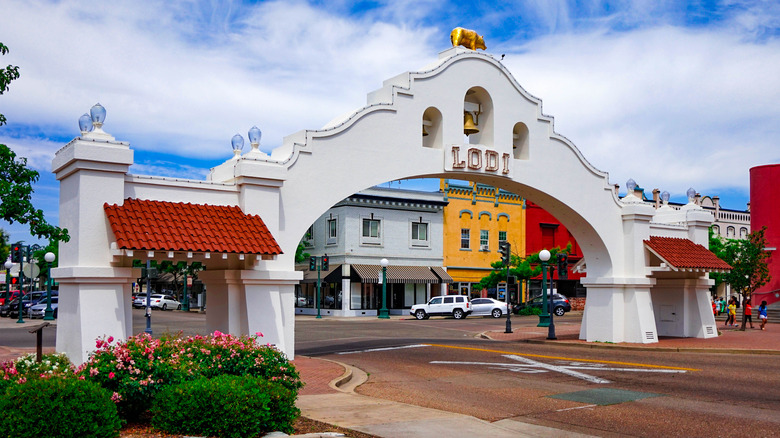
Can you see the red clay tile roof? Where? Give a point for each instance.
(684, 254)
(175, 226)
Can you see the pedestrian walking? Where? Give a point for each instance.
(748, 313)
(723, 305)
(732, 307)
(715, 307)
(762, 314)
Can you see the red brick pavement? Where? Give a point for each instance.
(317, 374)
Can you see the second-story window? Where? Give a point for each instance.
(484, 240)
(465, 236)
(501, 237)
(333, 228)
(371, 228)
(419, 234)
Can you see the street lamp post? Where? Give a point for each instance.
(551, 327)
(49, 315)
(383, 312)
(544, 318)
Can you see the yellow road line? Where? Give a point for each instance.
(566, 358)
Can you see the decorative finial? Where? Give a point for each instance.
(254, 137)
(630, 185)
(85, 124)
(665, 197)
(238, 145)
(98, 115)
(467, 38)
(691, 194)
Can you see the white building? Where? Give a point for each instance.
(402, 226)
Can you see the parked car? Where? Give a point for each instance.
(561, 304)
(4, 297)
(139, 301)
(39, 310)
(488, 307)
(457, 306)
(11, 308)
(164, 302)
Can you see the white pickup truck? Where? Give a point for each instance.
(457, 306)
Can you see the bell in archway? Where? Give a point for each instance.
(425, 133)
(468, 124)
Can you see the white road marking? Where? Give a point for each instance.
(531, 366)
(576, 407)
(386, 349)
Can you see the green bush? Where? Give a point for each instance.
(530, 311)
(139, 367)
(225, 406)
(58, 407)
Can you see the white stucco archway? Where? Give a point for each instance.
(314, 169)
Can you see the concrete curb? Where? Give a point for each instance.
(351, 379)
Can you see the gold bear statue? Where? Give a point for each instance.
(467, 38)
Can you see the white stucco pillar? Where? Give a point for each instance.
(620, 308)
(94, 295)
(244, 302)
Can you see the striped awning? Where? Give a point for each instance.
(396, 274)
(442, 274)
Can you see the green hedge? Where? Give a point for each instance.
(58, 407)
(530, 311)
(141, 366)
(225, 406)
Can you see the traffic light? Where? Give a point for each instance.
(505, 249)
(325, 262)
(16, 253)
(15, 282)
(312, 263)
(563, 265)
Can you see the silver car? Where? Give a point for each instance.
(488, 307)
(39, 310)
(139, 301)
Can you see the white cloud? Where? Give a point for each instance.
(668, 107)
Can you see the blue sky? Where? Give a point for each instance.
(672, 94)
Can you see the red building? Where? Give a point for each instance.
(765, 212)
(543, 231)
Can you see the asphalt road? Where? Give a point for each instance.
(443, 364)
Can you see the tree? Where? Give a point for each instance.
(5, 249)
(16, 180)
(748, 260)
(7, 75)
(522, 268)
(300, 252)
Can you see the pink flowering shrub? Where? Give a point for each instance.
(25, 368)
(137, 369)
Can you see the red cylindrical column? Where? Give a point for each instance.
(765, 212)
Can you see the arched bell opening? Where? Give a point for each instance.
(432, 128)
(478, 116)
(520, 141)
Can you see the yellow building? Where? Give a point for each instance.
(476, 218)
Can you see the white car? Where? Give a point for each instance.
(488, 307)
(164, 302)
(457, 306)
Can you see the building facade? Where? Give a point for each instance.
(405, 227)
(477, 218)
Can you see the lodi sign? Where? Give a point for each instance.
(477, 158)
